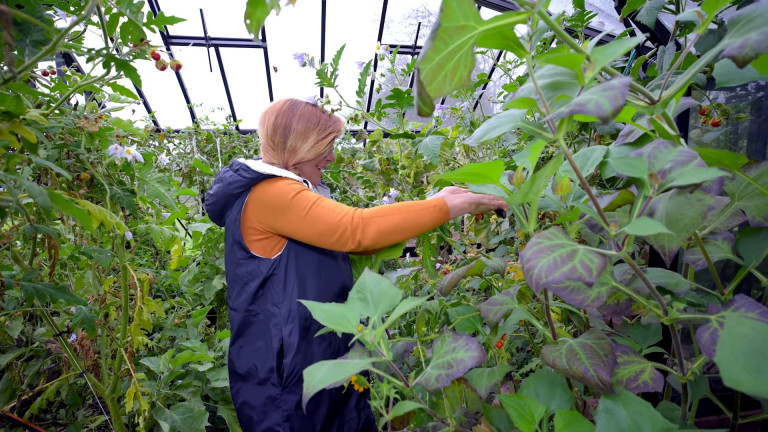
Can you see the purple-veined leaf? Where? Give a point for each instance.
(748, 197)
(723, 217)
(675, 166)
(603, 101)
(496, 307)
(465, 319)
(682, 213)
(747, 36)
(588, 358)
(453, 354)
(719, 247)
(708, 335)
(450, 281)
(553, 260)
(483, 380)
(659, 277)
(635, 373)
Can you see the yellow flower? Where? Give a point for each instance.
(358, 384)
(360, 328)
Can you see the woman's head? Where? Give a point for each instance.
(298, 136)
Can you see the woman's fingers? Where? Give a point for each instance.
(462, 203)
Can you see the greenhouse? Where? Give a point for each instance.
(383, 215)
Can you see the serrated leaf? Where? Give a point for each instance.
(430, 147)
(741, 353)
(548, 388)
(45, 292)
(184, 416)
(484, 380)
(634, 373)
(373, 295)
(603, 101)
(708, 335)
(553, 260)
(448, 58)
(649, 12)
(330, 373)
(525, 412)
(588, 358)
(453, 354)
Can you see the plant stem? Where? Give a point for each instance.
(53, 46)
(548, 314)
(710, 265)
(736, 412)
(82, 84)
(676, 65)
(124, 310)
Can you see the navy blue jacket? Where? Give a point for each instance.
(273, 335)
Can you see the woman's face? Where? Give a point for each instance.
(312, 170)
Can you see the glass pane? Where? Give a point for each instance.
(607, 18)
(345, 18)
(403, 18)
(486, 13)
(291, 80)
(164, 95)
(247, 80)
(223, 18)
(204, 86)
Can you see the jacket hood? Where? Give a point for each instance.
(238, 178)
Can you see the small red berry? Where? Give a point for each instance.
(176, 322)
(446, 271)
(155, 55)
(715, 122)
(499, 344)
(161, 65)
(704, 111)
(53, 71)
(504, 337)
(705, 120)
(478, 217)
(45, 73)
(175, 65)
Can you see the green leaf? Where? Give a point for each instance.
(558, 85)
(572, 421)
(587, 159)
(337, 316)
(453, 354)
(721, 158)
(475, 173)
(626, 412)
(404, 407)
(496, 126)
(549, 388)
(45, 292)
(373, 295)
(330, 373)
(128, 70)
(68, 206)
(747, 196)
(484, 380)
(475, 268)
(604, 55)
(531, 190)
(568, 269)
(430, 147)
(635, 373)
(681, 212)
(495, 308)
(740, 357)
(448, 58)
(603, 101)
(727, 74)
(649, 12)
(465, 319)
(155, 187)
(588, 358)
(629, 166)
(752, 244)
(747, 36)
(631, 6)
(405, 306)
(185, 357)
(161, 20)
(184, 416)
(761, 64)
(711, 7)
(202, 164)
(256, 12)
(644, 226)
(525, 412)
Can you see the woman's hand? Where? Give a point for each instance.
(461, 201)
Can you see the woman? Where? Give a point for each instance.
(286, 241)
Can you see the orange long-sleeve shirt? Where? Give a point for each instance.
(281, 208)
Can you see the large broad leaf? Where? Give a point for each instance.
(752, 245)
(530, 191)
(587, 159)
(626, 412)
(475, 173)
(45, 292)
(430, 147)
(484, 380)
(448, 59)
(675, 166)
(373, 296)
(256, 12)
(635, 373)
(722, 158)
(588, 358)
(572, 421)
(748, 197)
(603, 101)
(405, 306)
(681, 212)
(330, 373)
(497, 125)
(747, 36)
(465, 319)
(718, 246)
(553, 260)
(497, 307)
(336, 316)
(184, 416)
(525, 412)
(741, 353)
(548, 388)
(558, 85)
(453, 354)
(727, 74)
(476, 268)
(604, 55)
(708, 335)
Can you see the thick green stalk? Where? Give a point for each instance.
(124, 312)
(710, 265)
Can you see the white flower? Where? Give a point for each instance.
(72, 337)
(128, 235)
(381, 49)
(163, 159)
(116, 150)
(132, 153)
(360, 65)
